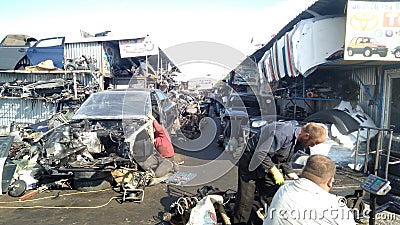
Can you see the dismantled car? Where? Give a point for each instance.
(239, 108)
(109, 131)
(13, 50)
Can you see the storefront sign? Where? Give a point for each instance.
(372, 31)
(137, 47)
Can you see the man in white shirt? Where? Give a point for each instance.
(307, 200)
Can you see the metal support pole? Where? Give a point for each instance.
(367, 150)
(388, 154)
(357, 147)
(378, 148)
(372, 213)
(75, 86)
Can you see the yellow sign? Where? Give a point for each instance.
(372, 31)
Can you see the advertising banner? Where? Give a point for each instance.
(137, 47)
(372, 31)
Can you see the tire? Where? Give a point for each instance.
(92, 181)
(350, 52)
(70, 67)
(397, 54)
(381, 200)
(367, 52)
(17, 189)
(383, 54)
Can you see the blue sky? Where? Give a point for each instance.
(233, 23)
(169, 22)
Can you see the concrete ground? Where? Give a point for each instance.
(211, 165)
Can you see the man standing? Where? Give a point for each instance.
(267, 154)
(307, 200)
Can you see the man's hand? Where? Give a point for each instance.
(292, 176)
(278, 177)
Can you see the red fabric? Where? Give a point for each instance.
(162, 141)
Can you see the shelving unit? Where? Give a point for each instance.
(295, 97)
(27, 109)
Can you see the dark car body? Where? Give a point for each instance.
(13, 51)
(241, 107)
(108, 131)
(366, 46)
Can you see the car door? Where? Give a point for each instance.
(12, 50)
(168, 109)
(47, 49)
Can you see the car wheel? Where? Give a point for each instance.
(23, 63)
(397, 54)
(350, 52)
(91, 181)
(17, 188)
(367, 52)
(70, 67)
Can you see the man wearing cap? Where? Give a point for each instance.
(267, 159)
(307, 200)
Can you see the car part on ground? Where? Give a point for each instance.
(179, 211)
(92, 181)
(17, 188)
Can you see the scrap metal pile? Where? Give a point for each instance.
(193, 107)
(185, 208)
(54, 90)
(92, 153)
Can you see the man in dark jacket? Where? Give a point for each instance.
(267, 154)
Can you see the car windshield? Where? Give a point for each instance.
(115, 105)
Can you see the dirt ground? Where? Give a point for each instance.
(98, 207)
(105, 207)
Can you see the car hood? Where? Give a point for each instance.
(342, 120)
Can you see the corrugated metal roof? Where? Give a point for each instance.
(103, 38)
